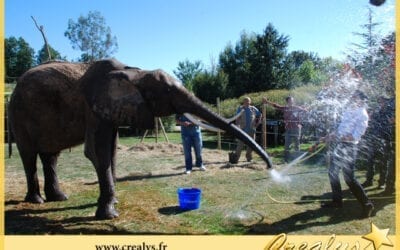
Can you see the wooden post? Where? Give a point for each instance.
(163, 130)
(157, 120)
(264, 126)
(219, 132)
(156, 128)
(144, 135)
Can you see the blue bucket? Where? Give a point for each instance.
(189, 198)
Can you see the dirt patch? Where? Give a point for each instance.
(212, 158)
(160, 147)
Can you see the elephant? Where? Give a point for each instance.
(58, 105)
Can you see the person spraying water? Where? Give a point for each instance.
(344, 143)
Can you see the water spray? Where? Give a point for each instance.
(312, 151)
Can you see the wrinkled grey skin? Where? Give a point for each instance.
(59, 105)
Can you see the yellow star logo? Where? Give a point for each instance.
(378, 237)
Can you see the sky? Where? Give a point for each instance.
(158, 34)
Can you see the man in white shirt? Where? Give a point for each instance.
(344, 142)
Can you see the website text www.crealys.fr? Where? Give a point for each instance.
(141, 246)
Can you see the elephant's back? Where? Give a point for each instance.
(48, 86)
(46, 105)
(54, 76)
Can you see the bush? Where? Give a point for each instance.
(303, 96)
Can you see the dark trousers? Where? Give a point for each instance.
(380, 161)
(344, 156)
(391, 171)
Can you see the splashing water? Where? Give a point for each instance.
(295, 161)
(278, 177)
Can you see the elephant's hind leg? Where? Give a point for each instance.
(51, 185)
(29, 162)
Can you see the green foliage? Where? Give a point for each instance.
(42, 55)
(18, 57)
(209, 85)
(259, 62)
(236, 63)
(303, 96)
(187, 71)
(307, 72)
(267, 63)
(169, 123)
(91, 36)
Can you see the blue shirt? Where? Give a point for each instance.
(188, 130)
(250, 114)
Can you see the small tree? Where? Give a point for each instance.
(374, 56)
(236, 62)
(209, 85)
(187, 71)
(18, 57)
(91, 36)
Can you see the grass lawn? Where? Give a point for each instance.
(241, 199)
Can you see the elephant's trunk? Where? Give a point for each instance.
(194, 106)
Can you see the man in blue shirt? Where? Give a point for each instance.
(191, 137)
(248, 122)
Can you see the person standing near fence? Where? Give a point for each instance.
(248, 121)
(191, 137)
(292, 121)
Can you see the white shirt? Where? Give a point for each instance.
(354, 122)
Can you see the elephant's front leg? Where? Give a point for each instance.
(103, 151)
(106, 201)
(114, 159)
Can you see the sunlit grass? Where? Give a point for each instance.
(242, 199)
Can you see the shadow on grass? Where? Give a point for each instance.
(31, 221)
(139, 177)
(146, 176)
(321, 216)
(172, 210)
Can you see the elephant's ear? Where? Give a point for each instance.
(116, 98)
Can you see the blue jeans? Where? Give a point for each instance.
(189, 140)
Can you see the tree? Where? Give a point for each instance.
(236, 63)
(374, 56)
(363, 54)
(269, 60)
(210, 84)
(384, 64)
(187, 71)
(42, 55)
(307, 72)
(91, 36)
(18, 57)
(256, 63)
(326, 69)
